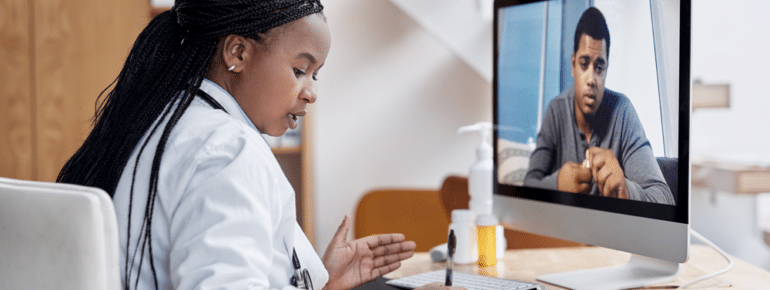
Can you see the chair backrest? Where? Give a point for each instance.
(57, 236)
(418, 214)
(423, 216)
(670, 169)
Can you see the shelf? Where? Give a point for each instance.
(731, 177)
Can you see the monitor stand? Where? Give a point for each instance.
(639, 271)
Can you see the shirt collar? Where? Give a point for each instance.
(227, 101)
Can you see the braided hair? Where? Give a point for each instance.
(593, 24)
(160, 79)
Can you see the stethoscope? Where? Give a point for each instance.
(301, 278)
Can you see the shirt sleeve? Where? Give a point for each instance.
(222, 232)
(644, 180)
(541, 172)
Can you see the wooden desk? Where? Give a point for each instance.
(526, 265)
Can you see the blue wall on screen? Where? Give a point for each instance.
(520, 60)
(519, 71)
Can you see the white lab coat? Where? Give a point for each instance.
(224, 215)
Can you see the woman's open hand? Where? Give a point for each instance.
(356, 262)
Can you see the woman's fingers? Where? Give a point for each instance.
(383, 239)
(407, 246)
(340, 237)
(392, 258)
(385, 269)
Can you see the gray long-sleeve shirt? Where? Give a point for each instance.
(617, 127)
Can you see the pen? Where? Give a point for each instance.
(450, 244)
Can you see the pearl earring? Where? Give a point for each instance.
(231, 68)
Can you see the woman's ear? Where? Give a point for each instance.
(234, 52)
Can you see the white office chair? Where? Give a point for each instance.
(57, 236)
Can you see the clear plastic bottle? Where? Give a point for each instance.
(465, 231)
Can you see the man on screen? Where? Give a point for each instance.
(591, 140)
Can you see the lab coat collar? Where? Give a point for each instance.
(227, 101)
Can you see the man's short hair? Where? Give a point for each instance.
(593, 24)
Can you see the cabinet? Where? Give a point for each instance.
(16, 104)
(56, 57)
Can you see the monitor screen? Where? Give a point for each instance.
(591, 114)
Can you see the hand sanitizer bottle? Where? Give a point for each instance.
(480, 179)
(480, 183)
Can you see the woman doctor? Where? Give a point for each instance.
(200, 199)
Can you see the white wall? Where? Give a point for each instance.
(391, 99)
(731, 43)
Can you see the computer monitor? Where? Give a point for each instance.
(591, 134)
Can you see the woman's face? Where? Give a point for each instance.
(278, 82)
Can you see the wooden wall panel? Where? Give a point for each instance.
(80, 47)
(16, 118)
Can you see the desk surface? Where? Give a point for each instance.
(526, 265)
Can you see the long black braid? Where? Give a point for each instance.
(159, 80)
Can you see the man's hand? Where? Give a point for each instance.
(356, 262)
(607, 173)
(574, 178)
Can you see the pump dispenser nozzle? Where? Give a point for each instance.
(484, 150)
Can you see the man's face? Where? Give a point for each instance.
(589, 69)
